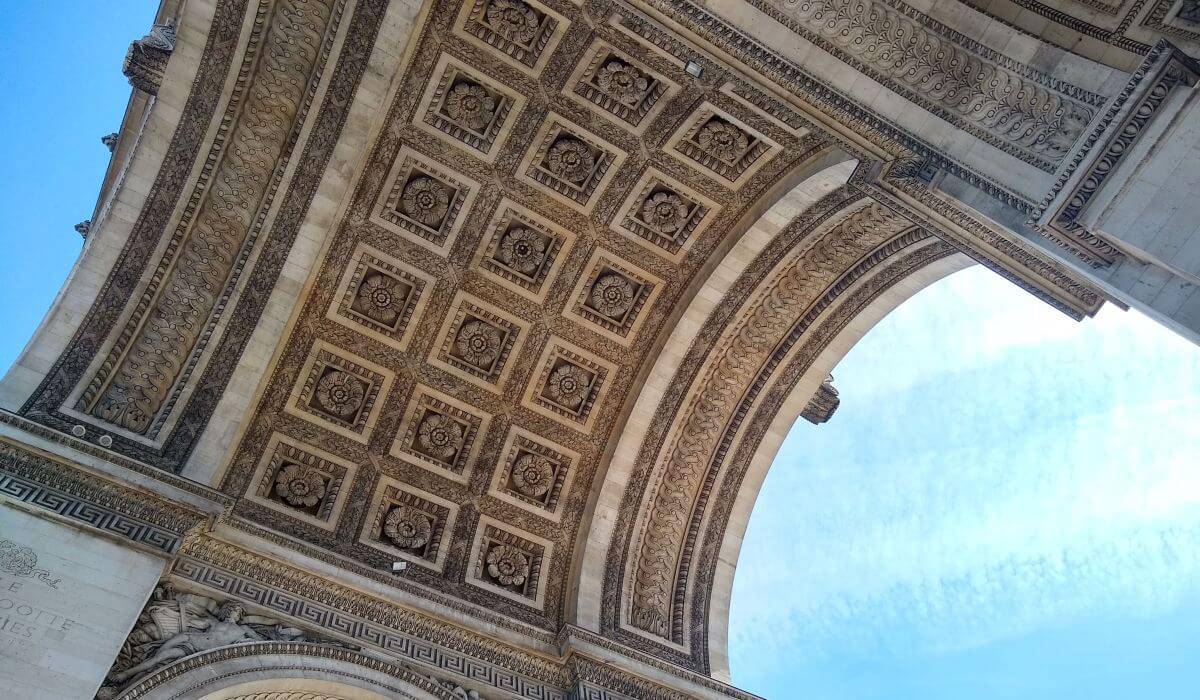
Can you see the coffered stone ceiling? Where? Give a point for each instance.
(569, 284)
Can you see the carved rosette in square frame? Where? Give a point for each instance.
(613, 297)
(380, 296)
(340, 391)
(407, 522)
(664, 215)
(477, 342)
(521, 251)
(534, 473)
(570, 164)
(465, 107)
(522, 33)
(423, 201)
(618, 87)
(510, 562)
(302, 481)
(440, 433)
(722, 146)
(569, 385)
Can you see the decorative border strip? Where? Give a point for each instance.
(140, 518)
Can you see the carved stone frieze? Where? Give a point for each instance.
(682, 463)
(157, 345)
(1035, 117)
(175, 625)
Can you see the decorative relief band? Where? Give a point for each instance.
(30, 478)
(653, 605)
(191, 286)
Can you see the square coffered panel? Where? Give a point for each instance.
(440, 433)
(510, 562)
(622, 88)
(569, 384)
(423, 201)
(521, 32)
(302, 481)
(477, 342)
(522, 251)
(570, 163)
(407, 522)
(664, 215)
(613, 297)
(722, 146)
(380, 296)
(534, 473)
(467, 107)
(340, 391)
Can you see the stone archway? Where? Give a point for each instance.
(753, 346)
(286, 671)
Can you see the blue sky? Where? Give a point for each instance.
(1006, 505)
(61, 89)
(1021, 521)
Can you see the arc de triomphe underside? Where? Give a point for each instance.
(438, 349)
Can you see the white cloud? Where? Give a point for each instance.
(1023, 471)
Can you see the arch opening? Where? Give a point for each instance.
(987, 494)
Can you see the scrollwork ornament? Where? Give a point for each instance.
(17, 560)
(570, 160)
(508, 565)
(425, 200)
(408, 527)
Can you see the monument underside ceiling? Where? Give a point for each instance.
(529, 219)
(548, 189)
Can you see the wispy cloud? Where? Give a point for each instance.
(1022, 472)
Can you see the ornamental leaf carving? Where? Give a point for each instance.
(742, 350)
(141, 370)
(570, 160)
(513, 19)
(532, 475)
(408, 527)
(508, 565)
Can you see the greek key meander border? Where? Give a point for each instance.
(357, 617)
(40, 481)
(326, 128)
